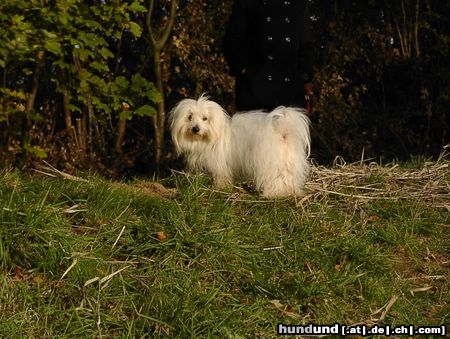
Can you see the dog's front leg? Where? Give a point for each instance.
(222, 176)
(222, 181)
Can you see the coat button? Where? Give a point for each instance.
(269, 77)
(269, 38)
(270, 57)
(287, 20)
(287, 3)
(287, 79)
(268, 19)
(287, 39)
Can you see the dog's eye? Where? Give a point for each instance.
(190, 117)
(205, 118)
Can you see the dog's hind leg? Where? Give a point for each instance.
(283, 166)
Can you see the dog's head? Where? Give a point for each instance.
(197, 123)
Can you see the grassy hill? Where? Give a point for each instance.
(86, 257)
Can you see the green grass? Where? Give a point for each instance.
(83, 259)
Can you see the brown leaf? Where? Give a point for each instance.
(38, 279)
(373, 218)
(58, 284)
(161, 236)
(19, 274)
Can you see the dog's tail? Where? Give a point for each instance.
(293, 125)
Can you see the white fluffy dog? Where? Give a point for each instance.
(271, 149)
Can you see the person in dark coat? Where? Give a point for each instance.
(268, 45)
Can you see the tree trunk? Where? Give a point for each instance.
(121, 129)
(158, 39)
(70, 129)
(416, 30)
(159, 119)
(37, 72)
(26, 125)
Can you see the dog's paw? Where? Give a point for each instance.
(282, 193)
(222, 182)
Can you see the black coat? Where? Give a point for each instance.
(268, 45)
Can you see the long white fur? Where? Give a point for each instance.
(271, 149)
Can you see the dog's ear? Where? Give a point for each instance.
(215, 110)
(173, 113)
(183, 107)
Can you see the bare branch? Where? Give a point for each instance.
(416, 29)
(149, 22)
(166, 31)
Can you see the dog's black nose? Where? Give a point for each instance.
(195, 129)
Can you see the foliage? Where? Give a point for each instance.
(69, 53)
